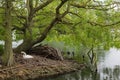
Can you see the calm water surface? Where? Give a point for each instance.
(108, 69)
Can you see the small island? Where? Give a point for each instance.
(39, 66)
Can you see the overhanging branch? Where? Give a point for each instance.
(95, 23)
(102, 7)
(53, 22)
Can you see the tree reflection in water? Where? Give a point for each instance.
(108, 69)
(111, 73)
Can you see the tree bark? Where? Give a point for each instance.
(8, 58)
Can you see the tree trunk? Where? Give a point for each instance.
(25, 46)
(7, 57)
(28, 37)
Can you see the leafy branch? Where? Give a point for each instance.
(98, 6)
(57, 18)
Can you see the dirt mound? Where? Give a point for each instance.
(47, 51)
(47, 61)
(37, 67)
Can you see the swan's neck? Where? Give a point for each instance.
(23, 53)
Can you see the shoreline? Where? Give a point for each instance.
(39, 67)
(63, 71)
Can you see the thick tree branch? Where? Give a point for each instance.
(53, 22)
(59, 6)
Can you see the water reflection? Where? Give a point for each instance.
(108, 69)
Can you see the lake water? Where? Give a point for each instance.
(14, 43)
(108, 69)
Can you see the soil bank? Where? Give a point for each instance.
(28, 69)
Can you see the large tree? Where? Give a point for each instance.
(8, 58)
(28, 40)
(69, 13)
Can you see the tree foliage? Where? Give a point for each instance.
(71, 22)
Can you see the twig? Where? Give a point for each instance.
(6, 69)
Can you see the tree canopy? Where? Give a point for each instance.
(73, 22)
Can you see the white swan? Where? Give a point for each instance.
(25, 56)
